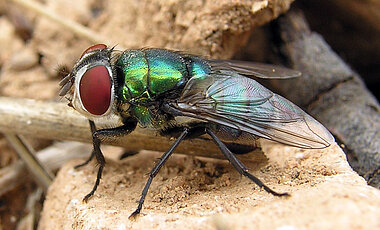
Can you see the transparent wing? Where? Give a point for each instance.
(260, 70)
(238, 102)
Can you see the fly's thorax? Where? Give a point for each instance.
(151, 76)
(150, 72)
(93, 92)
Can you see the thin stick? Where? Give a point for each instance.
(57, 121)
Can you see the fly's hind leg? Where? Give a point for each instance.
(156, 169)
(97, 136)
(238, 165)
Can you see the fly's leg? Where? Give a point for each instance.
(93, 130)
(99, 158)
(238, 165)
(86, 162)
(156, 169)
(97, 135)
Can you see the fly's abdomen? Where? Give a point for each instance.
(198, 67)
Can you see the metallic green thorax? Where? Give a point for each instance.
(148, 73)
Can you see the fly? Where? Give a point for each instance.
(185, 96)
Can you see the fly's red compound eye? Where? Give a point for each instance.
(94, 47)
(95, 90)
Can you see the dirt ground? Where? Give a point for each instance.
(210, 194)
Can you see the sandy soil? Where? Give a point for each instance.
(210, 194)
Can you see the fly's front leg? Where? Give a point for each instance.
(93, 130)
(97, 136)
(86, 162)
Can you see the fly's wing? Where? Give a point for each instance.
(260, 70)
(238, 102)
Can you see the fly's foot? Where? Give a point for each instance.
(134, 214)
(285, 194)
(274, 193)
(88, 196)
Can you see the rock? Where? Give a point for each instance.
(334, 94)
(329, 89)
(209, 194)
(352, 28)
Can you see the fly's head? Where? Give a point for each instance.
(90, 85)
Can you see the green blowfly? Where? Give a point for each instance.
(184, 96)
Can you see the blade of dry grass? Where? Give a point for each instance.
(52, 157)
(42, 175)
